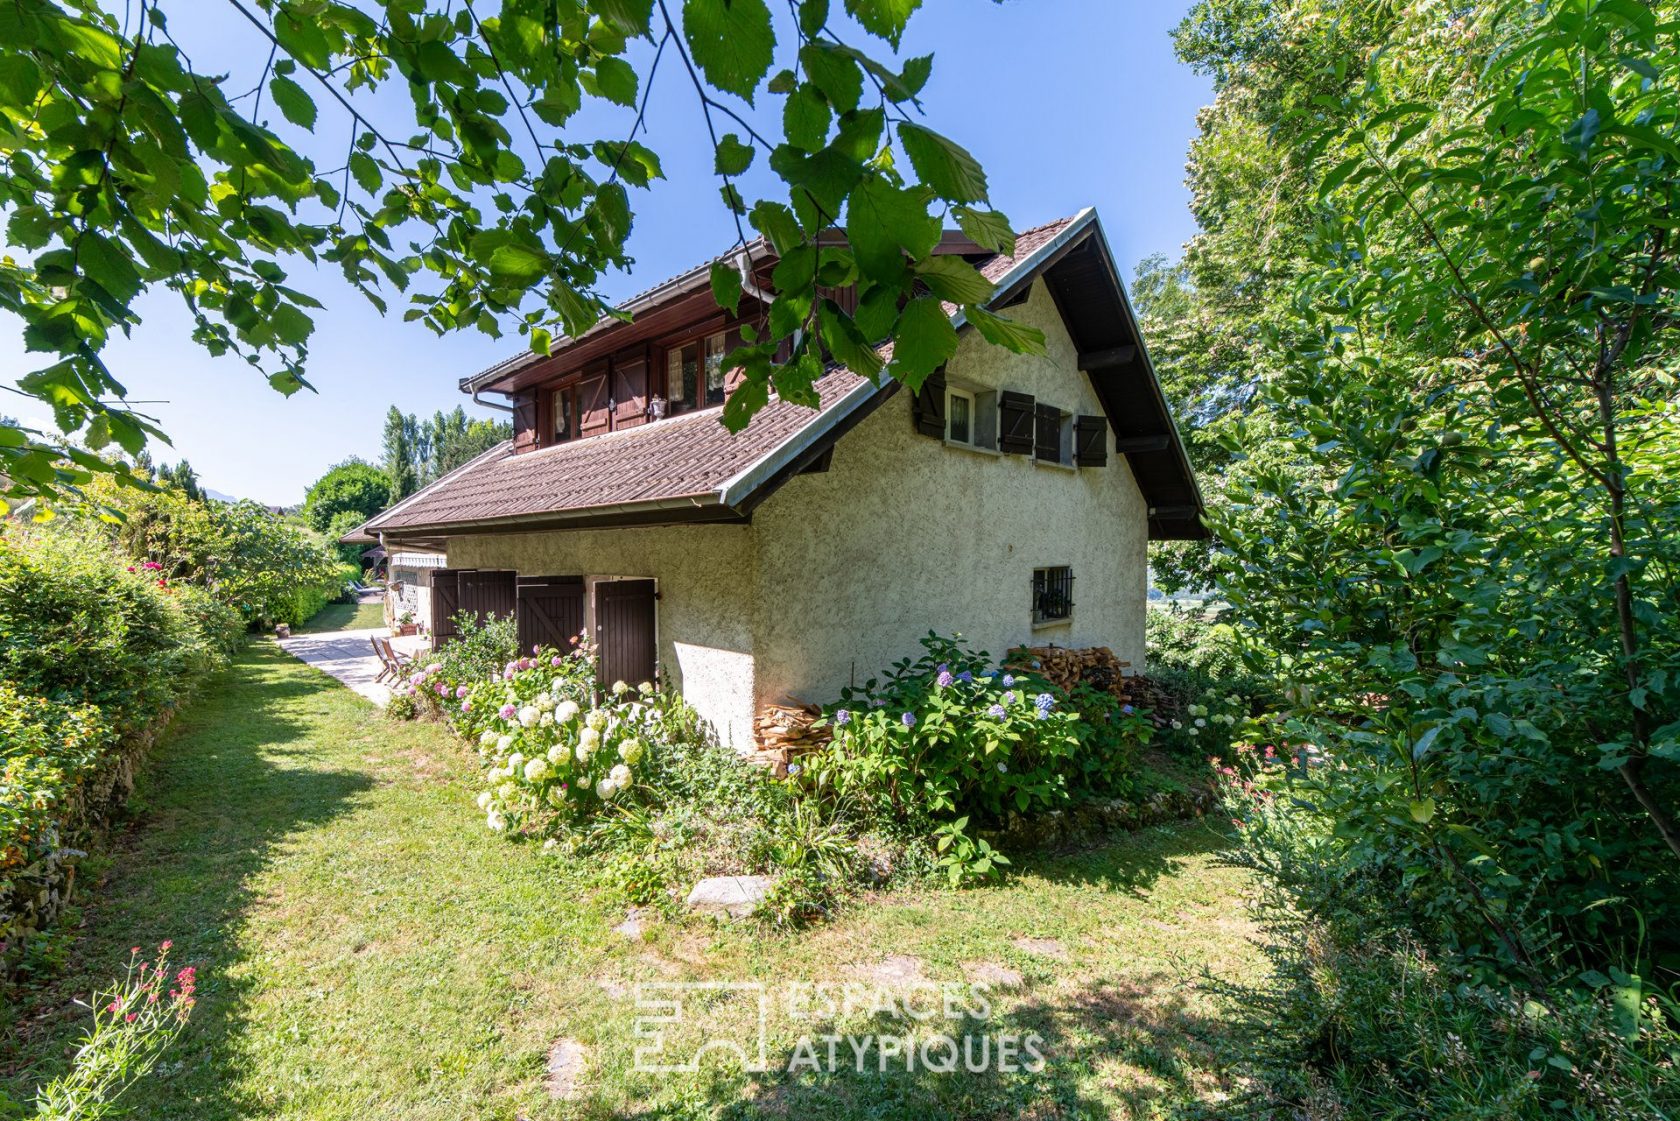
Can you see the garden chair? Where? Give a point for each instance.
(395, 665)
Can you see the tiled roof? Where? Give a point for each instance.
(683, 460)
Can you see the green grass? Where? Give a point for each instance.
(345, 617)
(366, 948)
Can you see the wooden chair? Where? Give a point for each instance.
(395, 665)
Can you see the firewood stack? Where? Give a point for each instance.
(1095, 666)
(784, 731)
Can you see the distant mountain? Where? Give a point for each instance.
(218, 495)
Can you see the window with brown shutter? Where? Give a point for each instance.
(525, 422)
(927, 407)
(629, 390)
(1090, 441)
(1015, 422)
(1047, 430)
(549, 611)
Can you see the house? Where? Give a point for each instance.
(1010, 499)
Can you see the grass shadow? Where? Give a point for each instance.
(236, 775)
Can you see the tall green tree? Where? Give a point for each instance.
(353, 486)
(403, 462)
(1460, 551)
(129, 168)
(452, 439)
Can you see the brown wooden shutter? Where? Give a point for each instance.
(593, 415)
(625, 631)
(1047, 443)
(927, 407)
(549, 611)
(1090, 441)
(630, 389)
(446, 591)
(1015, 423)
(732, 377)
(484, 594)
(525, 430)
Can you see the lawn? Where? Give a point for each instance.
(366, 948)
(345, 617)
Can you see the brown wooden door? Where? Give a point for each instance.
(484, 594)
(446, 601)
(625, 631)
(549, 611)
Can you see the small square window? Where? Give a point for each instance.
(1052, 594)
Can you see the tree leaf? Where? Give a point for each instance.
(923, 341)
(726, 286)
(943, 164)
(732, 156)
(616, 80)
(1018, 338)
(805, 118)
(517, 266)
(630, 17)
(884, 222)
(297, 106)
(951, 278)
(885, 18)
(988, 228)
(732, 41)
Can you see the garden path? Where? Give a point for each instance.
(348, 656)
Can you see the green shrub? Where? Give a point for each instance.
(484, 650)
(948, 734)
(79, 626)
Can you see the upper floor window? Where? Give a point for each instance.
(971, 417)
(563, 408)
(714, 368)
(682, 372)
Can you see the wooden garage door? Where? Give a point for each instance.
(550, 611)
(624, 629)
(446, 601)
(484, 594)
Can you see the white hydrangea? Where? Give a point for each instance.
(645, 688)
(619, 688)
(605, 789)
(556, 797)
(545, 720)
(1200, 723)
(484, 800)
(620, 775)
(506, 792)
(503, 742)
(596, 719)
(528, 716)
(631, 750)
(536, 770)
(488, 738)
(515, 761)
(566, 711)
(544, 702)
(559, 754)
(495, 821)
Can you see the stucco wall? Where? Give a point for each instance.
(904, 534)
(706, 578)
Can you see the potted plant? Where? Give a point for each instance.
(405, 625)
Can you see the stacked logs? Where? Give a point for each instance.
(1097, 667)
(785, 730)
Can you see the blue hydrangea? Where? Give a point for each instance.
(1008, 680)
(944, 679)
(908, 719)
(1127, 709)
(997, 712)
(1009, 697)
(842, 718)
(965, 675)
(1045, 702)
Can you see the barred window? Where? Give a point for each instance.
(1052, 594)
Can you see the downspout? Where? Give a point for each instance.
(490, 404)
(743, 263)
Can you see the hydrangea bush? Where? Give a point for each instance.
(554, 751)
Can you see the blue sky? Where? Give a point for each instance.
(1067, 103)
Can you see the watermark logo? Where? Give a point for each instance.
(925, 1026)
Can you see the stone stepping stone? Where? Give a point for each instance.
(732, 897)
(565, 1069)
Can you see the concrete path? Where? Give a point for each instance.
(348, 656)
